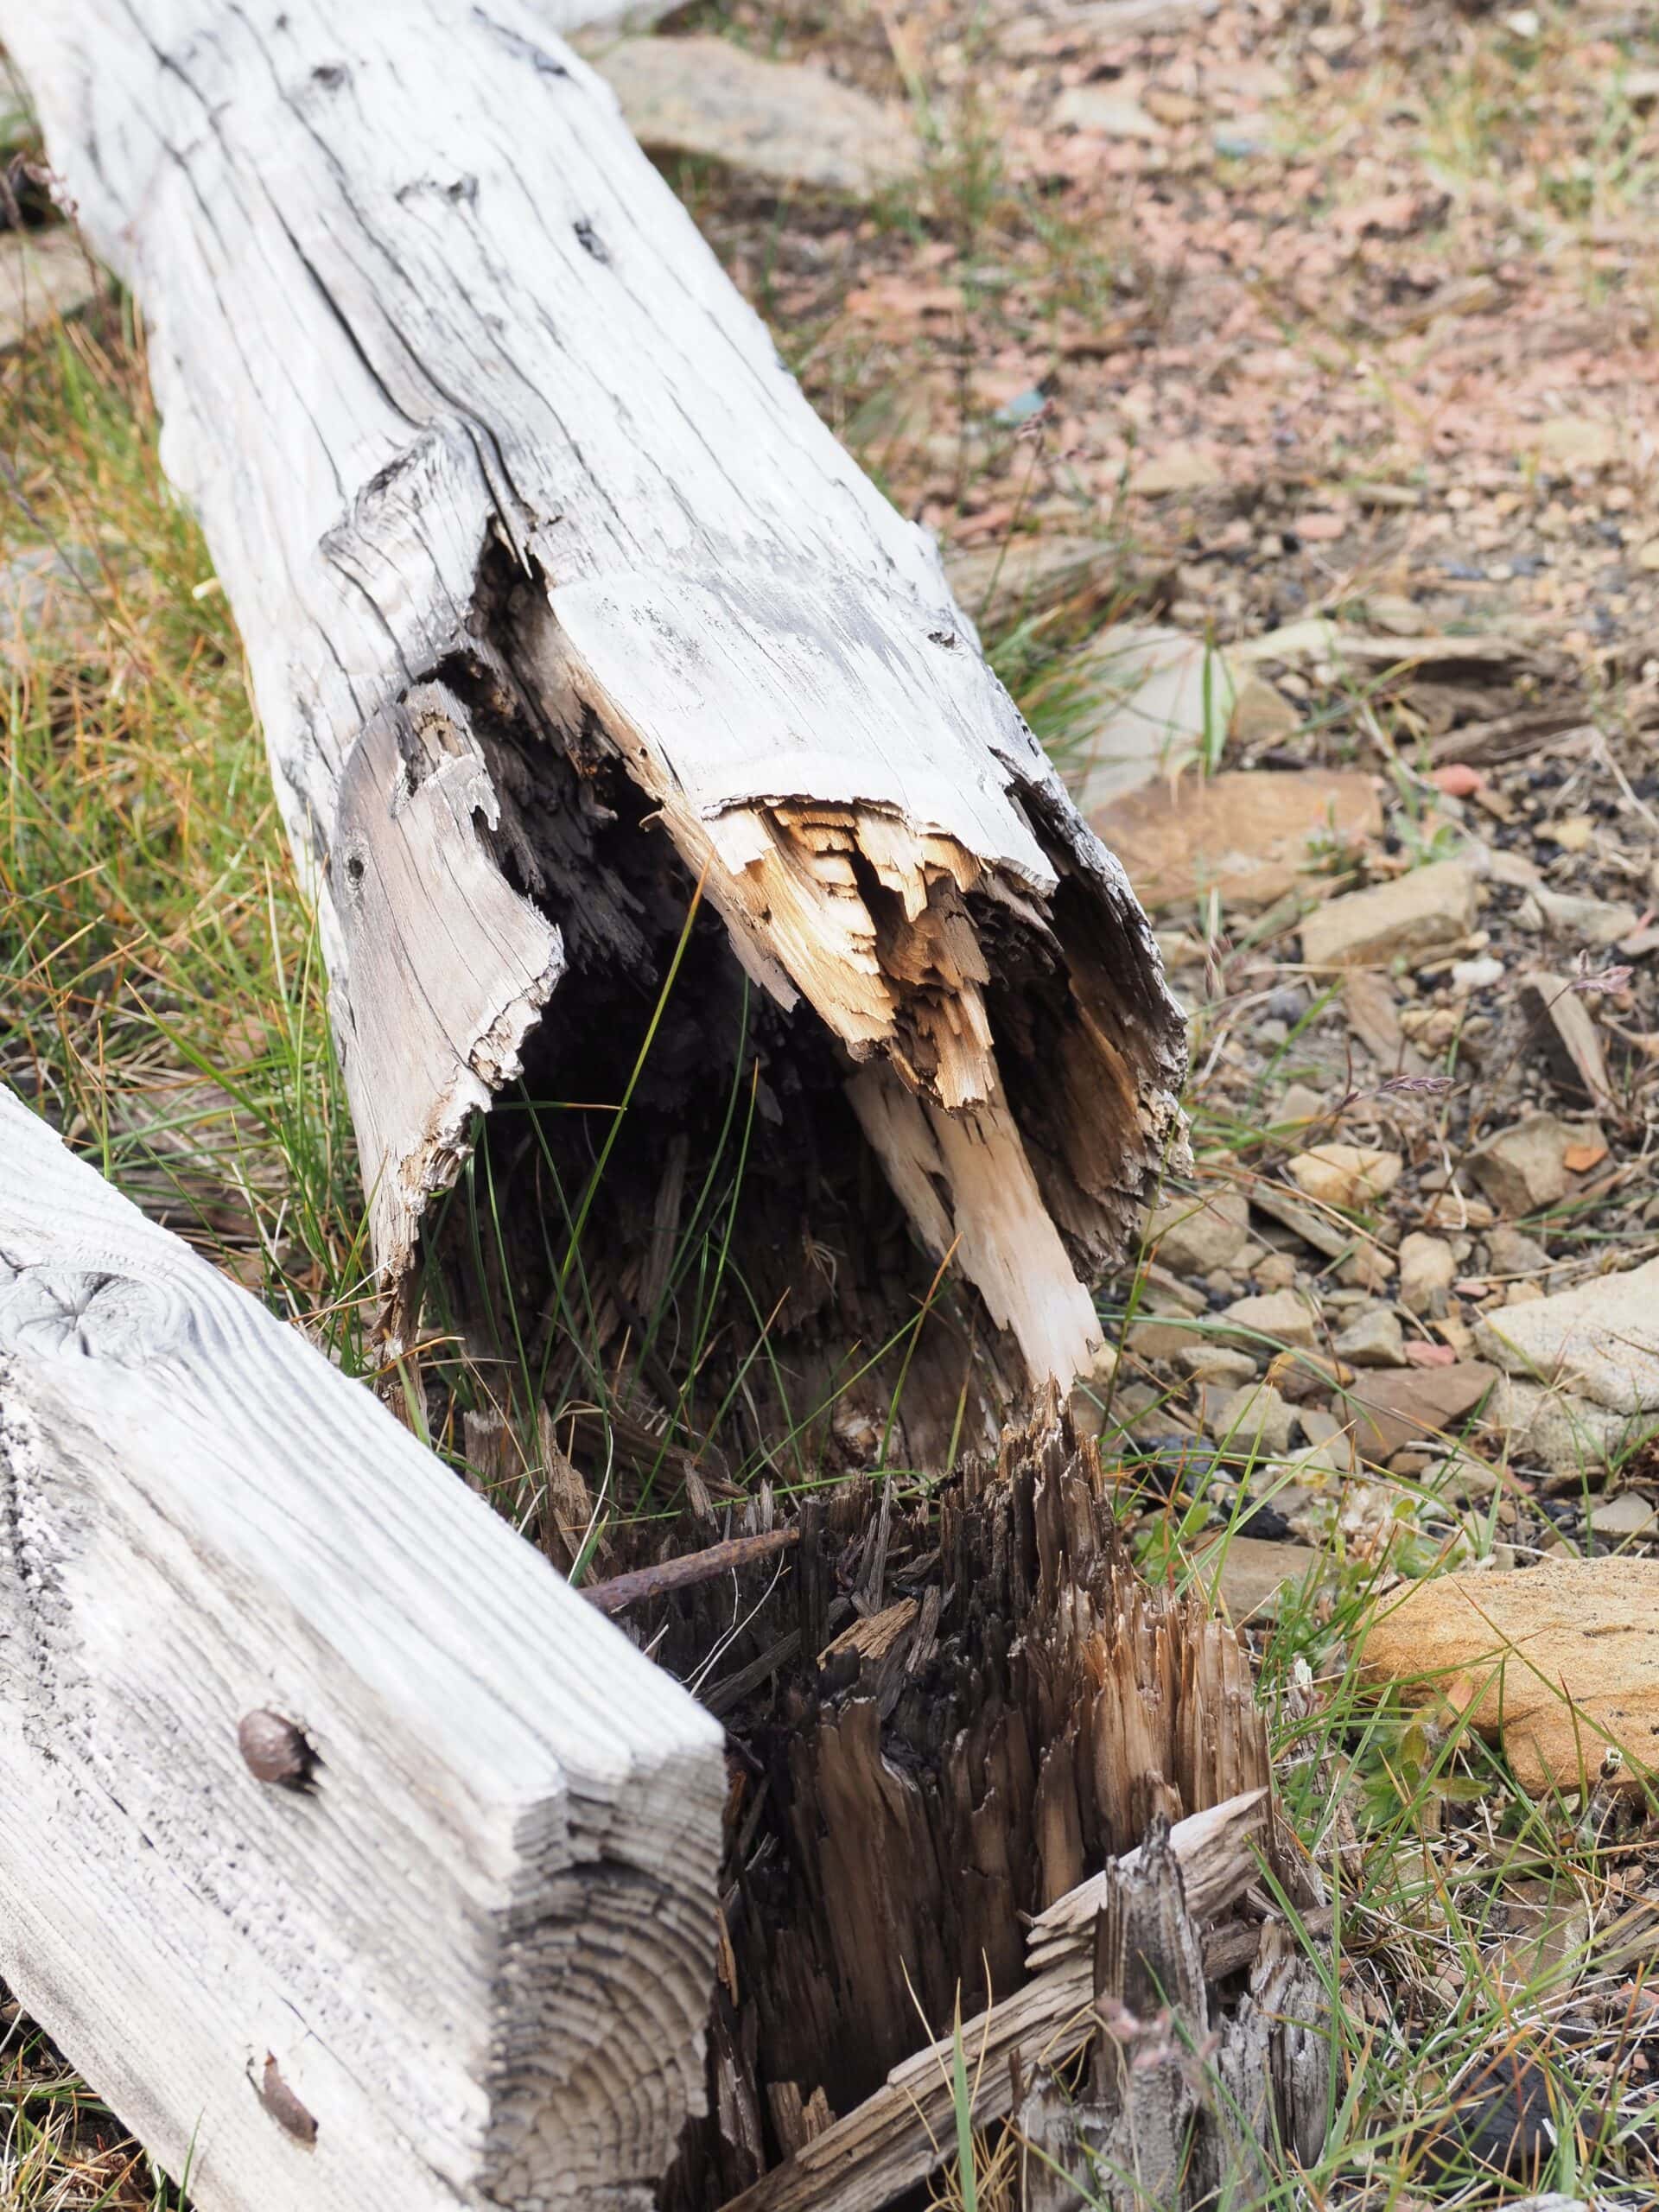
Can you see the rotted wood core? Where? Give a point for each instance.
(945, 1713)
(834, 1154)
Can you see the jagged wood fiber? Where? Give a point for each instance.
(466, 1964)
(559, 600)
(944, 1713)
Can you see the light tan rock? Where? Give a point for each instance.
(1178, 468)
(1423, 912)
(1221, 1365)
(1249, 1578)
(1195, 1234)
(1429, 1268)
(1262, 714)
(1255, 1417)
(1556, 1660)
(43, 275)
(1102, 113)
(1552, 1428)
(1027, 575)
(1393, 1412)
(1280, 1316)
(1165, 701)
(781, 119)
(1524, 1168)
(1628, 1515)
(1600, 1341)
(1248, 834)
(1373, 1339)
(1348, 1175)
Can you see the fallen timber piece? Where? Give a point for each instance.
(633, 1588)
(907, 2130)
(352, 1858)
(559, 600)
(944, 1713)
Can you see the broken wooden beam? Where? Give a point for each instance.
(907, 2131)
(351, 1856)
(560, 602)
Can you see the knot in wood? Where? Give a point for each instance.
(274, 1750)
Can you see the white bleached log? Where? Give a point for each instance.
(540, 557)
(468, 1963)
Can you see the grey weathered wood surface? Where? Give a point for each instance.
(496, 466)
(478, 1948)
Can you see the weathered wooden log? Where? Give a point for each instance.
(560, 602)
(352, 1856)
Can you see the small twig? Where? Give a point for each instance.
(684, 1573)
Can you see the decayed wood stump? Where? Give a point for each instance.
(945, 1713)
(560, 602)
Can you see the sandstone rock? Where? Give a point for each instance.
(1524, 1168)
(1373, 1339)
(1027, 575)
(1165, 698)
(1508, 1252)
(1274, 1271)
(1201, 1232)
(779, 119)
(1552, 1428)
(43, 275)
(1628, 1515)
(1255, 1418)
(1249, 1578)
(1262, 714)
(1429, 1268)
(1280, 1317)
(1555, 1659)
(1103, 113)
(1298, 1106)
(1154, 1336)
(1390, 1412)
(1423, 912)
(1246, 835)
(1595, 921)
(1348, 1175)
(1178, 468)
(1573, 441)
(1601, 1340)
(1220, 1365)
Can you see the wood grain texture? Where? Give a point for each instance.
(472, 1948)
(540, 555)
(907, 2130)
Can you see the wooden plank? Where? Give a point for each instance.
(468, 1960)
(558, 598)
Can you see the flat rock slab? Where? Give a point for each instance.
(777, 120)
(1249, 1576)
(1029, 575)
(1555, 1660)
(1166, 700)
(1390, 1411)
(43, 275)
(1423, 912)
(1249, 834)
(1599, 1341)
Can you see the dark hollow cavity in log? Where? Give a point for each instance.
(739, 1201)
